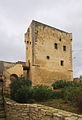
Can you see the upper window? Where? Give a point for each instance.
(60, 39)
(62, 63)
(64, 48)
(48, 57)
(55, 45)
(71, 39)
(27, 42)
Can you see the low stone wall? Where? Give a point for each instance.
(16, 111)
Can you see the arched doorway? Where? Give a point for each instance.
(13, 77)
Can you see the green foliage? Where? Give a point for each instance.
(23, 94)
(79, 101)
(42, 93)
(58, 84)
(70, 93)
(20, 82)
(57, 95)
(61, 84)
(21, 90)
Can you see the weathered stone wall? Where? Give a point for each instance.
(16, 69)
(40, 40)
(16, 111)
(77, 80)
(2, 110)
(7, 69)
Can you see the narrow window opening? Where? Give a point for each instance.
(60, 39)
(48, 57)
(36, 32)
(62, 63)
(56, 46)
(64, 48)
(71, 39)
(27, 42)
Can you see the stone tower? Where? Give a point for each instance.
(48, 54)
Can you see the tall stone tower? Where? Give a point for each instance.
(48, 54)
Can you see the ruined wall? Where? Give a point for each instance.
(16, 111)
(7, 64)
(1, 67)
(46, 60)
(16, 69)
(77, 80)
(4, 65)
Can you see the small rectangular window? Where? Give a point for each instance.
(60, 39)
(48, 57)
(55, 45)
(27, 42)
(71, 39)
(62, 63)
(64, 48)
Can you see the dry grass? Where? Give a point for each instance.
(61, 104)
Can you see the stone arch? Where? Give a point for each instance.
(13, 77)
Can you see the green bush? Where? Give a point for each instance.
(58, 84)
(57, 95)
(23, 95)
(21, 90)
(20, 82)
(70, 93)
(79, 101)
(61, 84)
(42, 93)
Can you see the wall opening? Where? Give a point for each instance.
(64, 48)
(62, 63)
(60, 39)
(13, 77)
(48, 57)
(55, 45)
(27, 42)
(71, 39)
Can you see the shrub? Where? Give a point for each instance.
(21, 90)
(61, 84)
(79, 101)
(42, 93)
(70, 93)
(20, 82)
(58, 84)
(57, 95)
(23, 94)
